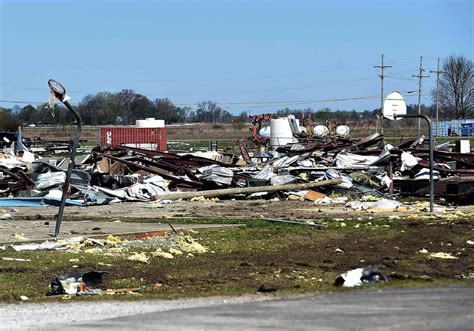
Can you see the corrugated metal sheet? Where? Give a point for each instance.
(149, 138)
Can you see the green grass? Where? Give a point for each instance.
(288, 258)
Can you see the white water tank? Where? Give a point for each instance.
(320, 131)
(280, 132)
(343, 131)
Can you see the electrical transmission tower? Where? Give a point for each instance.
(382, 67)
(420, 84)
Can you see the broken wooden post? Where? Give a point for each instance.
(246, 190)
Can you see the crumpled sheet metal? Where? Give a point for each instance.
(50, 179)
(283, 179)
(132, 174)
(219, 175)
(345, 159)
(334, 174)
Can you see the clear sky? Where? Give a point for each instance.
(228, 51)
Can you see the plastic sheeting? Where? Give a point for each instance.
(360, 276)
(408, 161)
(382, 204)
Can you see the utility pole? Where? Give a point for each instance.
(437, 72)
(420, 83)
(382, 67)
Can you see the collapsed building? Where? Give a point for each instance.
(285, 154)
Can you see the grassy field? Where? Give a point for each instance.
(285, 259)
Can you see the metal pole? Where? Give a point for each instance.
(431, 161)
(70, 167)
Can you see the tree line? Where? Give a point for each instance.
(106, 108)
(455, 95)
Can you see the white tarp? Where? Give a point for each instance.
(382, 204)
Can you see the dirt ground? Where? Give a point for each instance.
(318, 254)
(245, 209)
(260, 255)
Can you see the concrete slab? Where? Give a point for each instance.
(42, 230)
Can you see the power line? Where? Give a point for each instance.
(218, 79)
(252, 91)
(271, 103)
(255, 104)
(22, 102)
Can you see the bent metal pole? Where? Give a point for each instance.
(60, 93)
(430, 137)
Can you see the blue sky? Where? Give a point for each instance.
(242, 54)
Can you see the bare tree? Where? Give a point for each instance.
(209, 111)
(456, 87)
(126, 97)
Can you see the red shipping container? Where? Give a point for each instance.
(147, 138)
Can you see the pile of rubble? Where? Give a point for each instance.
(333, 164)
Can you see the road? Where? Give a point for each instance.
(440, 308)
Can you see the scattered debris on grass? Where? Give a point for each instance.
(77, 283)
(360, 276)
(443, 255)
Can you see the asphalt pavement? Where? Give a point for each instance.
(428, 308)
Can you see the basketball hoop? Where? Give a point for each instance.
(58, 92)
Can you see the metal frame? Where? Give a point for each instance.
(430, 152)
